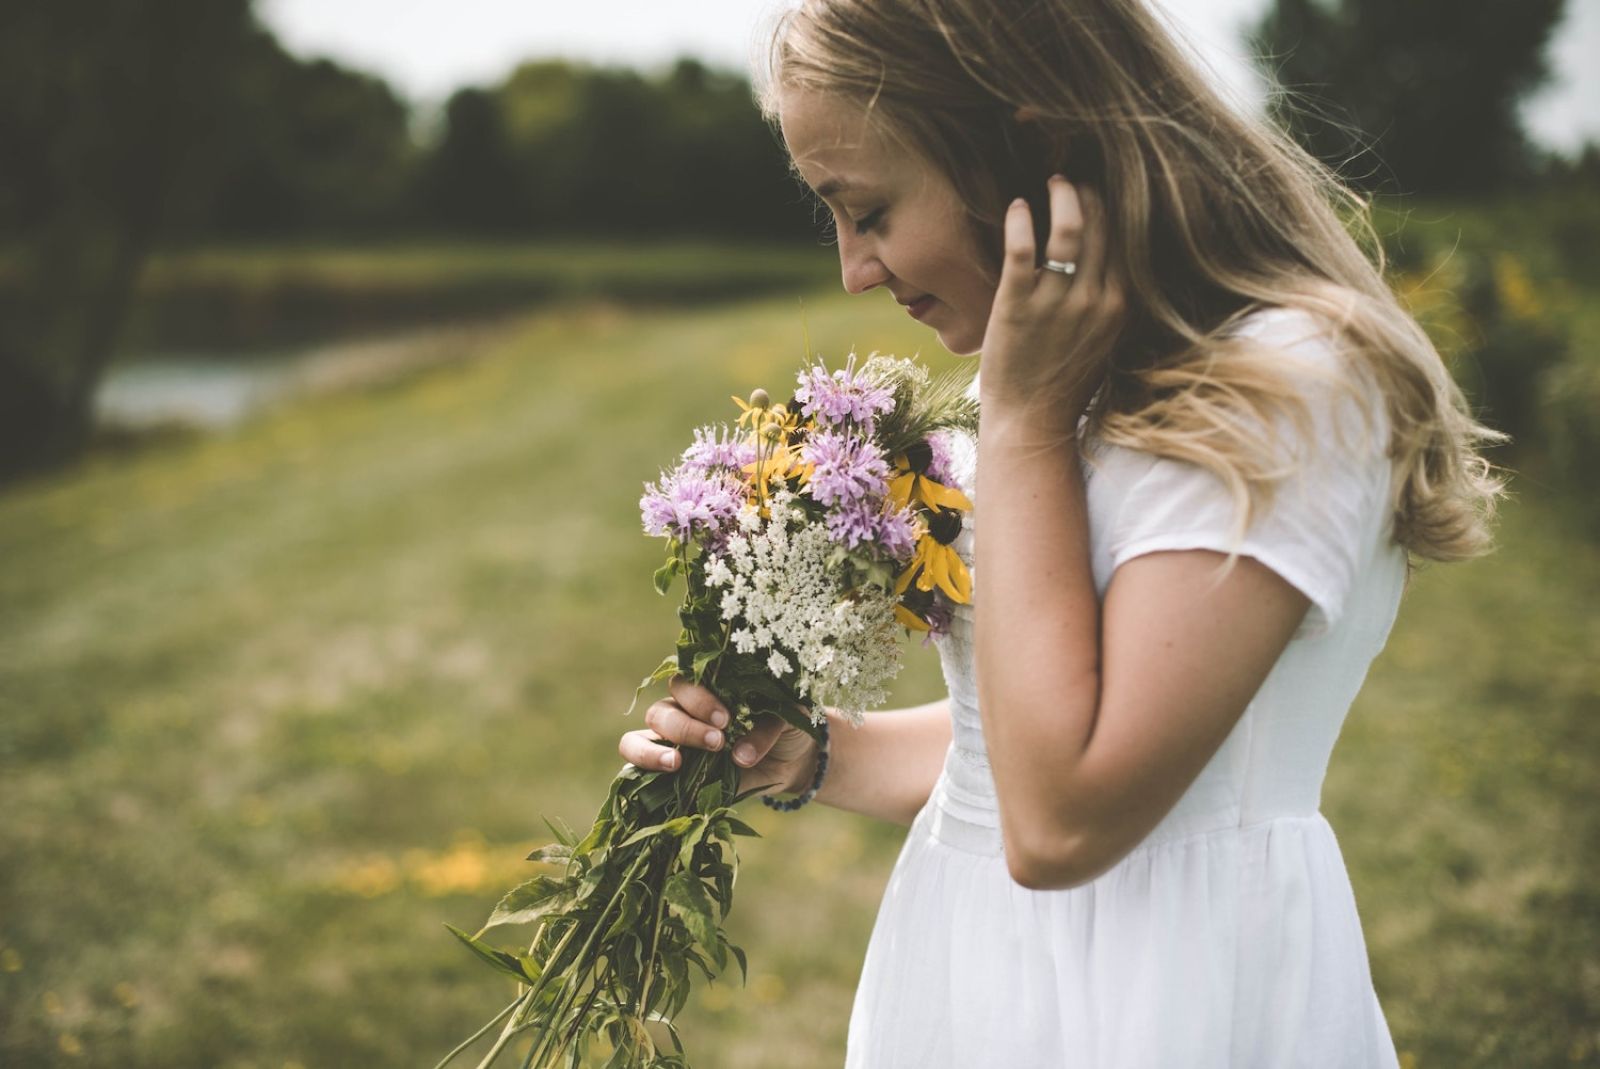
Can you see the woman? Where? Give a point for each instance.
(1212, 443)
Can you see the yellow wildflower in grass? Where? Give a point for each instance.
(369, 877)
(1515, 289)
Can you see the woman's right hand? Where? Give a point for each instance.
(779, 753)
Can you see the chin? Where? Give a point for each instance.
(960, 345)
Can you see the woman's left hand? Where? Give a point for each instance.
(1050, 334)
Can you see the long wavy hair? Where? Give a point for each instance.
(1212, 215)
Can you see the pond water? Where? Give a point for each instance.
(214, 391)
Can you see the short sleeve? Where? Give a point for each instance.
(1325, 514)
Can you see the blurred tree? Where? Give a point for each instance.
(316, 148)
(109, 114)
(567, 149)
(471, 181)
(1415, 97)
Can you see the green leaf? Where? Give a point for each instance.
(496, 958)
(552, 852)
(664, 670)
(672, 1029)
(563, 833)
(757, 789)
(738, 953)
(709, 798)
(692, 840)
(688, 901)
(701, 963)
(739, 827)
(674, 827)
(632, 906)
(702, 659)
(663, 576)
(531, 900)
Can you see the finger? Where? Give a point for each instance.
(648, 750)
(698, 701)
(1017, 268)
(755, 745)
(671, 722)
(1065, 242)
(1092, 257)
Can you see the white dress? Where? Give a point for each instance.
(1229, 938)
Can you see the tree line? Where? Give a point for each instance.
(128, 123)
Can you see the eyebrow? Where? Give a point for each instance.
(832, 186)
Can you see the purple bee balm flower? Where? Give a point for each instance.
(847, 469)
(714, 449)
(690, 503)
(898, 533)
(865, 522)
(843, 396)
(940, 468)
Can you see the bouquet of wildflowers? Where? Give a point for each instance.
(809, 534)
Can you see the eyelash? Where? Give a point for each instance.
(862, 226)
(868, 221)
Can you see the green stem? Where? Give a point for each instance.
(655, 943)
(506, 1033)
(480, 1033)
(594, 933)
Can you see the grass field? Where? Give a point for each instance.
(277, 705)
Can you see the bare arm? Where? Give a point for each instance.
(886, 768)
(1097, 718)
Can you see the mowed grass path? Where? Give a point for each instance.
(275, 706)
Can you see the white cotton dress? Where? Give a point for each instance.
(1229, 938)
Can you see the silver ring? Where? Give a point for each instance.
(1066, 267)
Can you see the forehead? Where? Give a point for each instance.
(831, 139)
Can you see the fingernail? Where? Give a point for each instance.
(720, 718)
(1019, 202)
(744, 754)
(713, 739)
(670, 760)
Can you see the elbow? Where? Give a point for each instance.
(1071, 861)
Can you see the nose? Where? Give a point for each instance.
(860, 266)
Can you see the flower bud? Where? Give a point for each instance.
(772, 432)
(759, 398)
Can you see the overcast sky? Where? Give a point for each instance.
(428, 48)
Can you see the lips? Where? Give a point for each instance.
(919, 307)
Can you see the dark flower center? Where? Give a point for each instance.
(944, 526)
(919, 456)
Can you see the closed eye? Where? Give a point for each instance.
(868, 221)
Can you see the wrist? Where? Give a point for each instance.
(806, 773)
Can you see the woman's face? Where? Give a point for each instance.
(900, 223)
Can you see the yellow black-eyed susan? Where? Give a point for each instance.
(936, 562)
(911, 485)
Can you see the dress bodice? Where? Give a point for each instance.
(1273, 762)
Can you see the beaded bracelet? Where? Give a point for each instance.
(816, 781)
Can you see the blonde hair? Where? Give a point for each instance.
(1211, 216)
